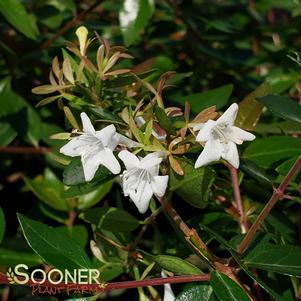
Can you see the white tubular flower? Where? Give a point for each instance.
(94, 147)
(168, 293)
(221, 137)
(140, 180)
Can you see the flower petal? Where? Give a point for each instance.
(205, 132)
(105, 135)
(159, 185)
(130, 160)
(152, 160)
(90, 164)
(238, 135)
(108, 160)
(142, 196)
(168, 293)
(87, 125)
(232, 155)
(123, 140)
(229, 116)
(212, 152)
(196, 126)
(76, 146)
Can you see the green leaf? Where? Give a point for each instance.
(283, 107)
(2, 224)
(7, 133)
(201, 292)
(194, 187)
(92, 198)
(234, 254)
(164, 121)
(15, 111)
(74, 174)
(53, 247)
(257, 173)
(111, 219)
(175, 264)
(200, 101)
(284, 167)
(281, 259)
(16, 14)
(266, 151)
(133, 17)
(48, 189)
(226, 289)
(10, 258)
(78, 233)
(250, 109)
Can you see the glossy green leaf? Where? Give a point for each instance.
(175, 265)
(197, 292)
(283, 107)
(256, 172)
(284, 167)
(49, 189)
(281, 259)
(199, 101)
(10, 258)
(2, 224)
(92, 198)
(164, 121)
(7, 133)
(15, 111)
(78, 233)
(250, 109)
(16, 14)
(266, 151)
(52, 246)
(194, 187)
(234, 254)
(74, 174)
(111, 219)
(226, 289)
(133, 17)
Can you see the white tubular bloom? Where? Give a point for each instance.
(141, 178)
(168, 293)
(221, 137)
(94, 147)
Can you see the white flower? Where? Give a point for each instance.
(221, 137)
(140, 180)
(94, 147)
(168, 293)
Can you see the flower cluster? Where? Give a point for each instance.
(149, 128)
(141, 179)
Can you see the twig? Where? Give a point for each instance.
(277, 194)
(243, 221)
(24, 150)
(147, 222)
(70, 24)
(112, 242)
(190, 235)
(118, 285)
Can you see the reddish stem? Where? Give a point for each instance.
(243, 221)
(277, 194)
(70, 24)
(119, 285)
